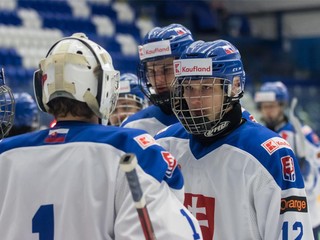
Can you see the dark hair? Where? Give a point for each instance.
(60, 107)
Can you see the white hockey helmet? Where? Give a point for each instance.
(79, 69)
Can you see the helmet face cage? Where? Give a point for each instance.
(7, 107)
(199, 102)
(209, 80)
(160, 47)
(127, 105)
(156, 78)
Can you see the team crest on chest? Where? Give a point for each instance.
(202, 208)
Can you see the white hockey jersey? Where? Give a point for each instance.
(151, 119)
(245, 186)
(64, 183)
(311, 174)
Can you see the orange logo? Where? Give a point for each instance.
(294, 204)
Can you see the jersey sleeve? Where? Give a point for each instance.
(281, 205)
(170, 219)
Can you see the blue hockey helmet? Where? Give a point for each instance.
(6, 107)
(27, 114)
(169, 41)
(221, 59)
(131, 99)
(161, 43)
(215, 63)
(272, 92)
(129, 84)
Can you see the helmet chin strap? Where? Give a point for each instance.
(163, 101)
(230, 121)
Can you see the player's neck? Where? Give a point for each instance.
(70, 117)
(283, 120)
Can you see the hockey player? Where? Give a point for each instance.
(159, 48)
(26, 114)
(272, 100)
(131, 99)
(64, 182)
(242, 181)
(6, 107)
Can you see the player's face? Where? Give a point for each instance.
(271, 111)
(160, 74)
(124, 108)
(204, 98)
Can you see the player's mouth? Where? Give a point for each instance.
(197, 113)
(162, 89)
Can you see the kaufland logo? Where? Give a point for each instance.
(177, 67)
(154, 49)
(124, 87)
(157, 50)
(195, 69)
(189, 67)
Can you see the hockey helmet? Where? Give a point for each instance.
(272, 92)
(208, 64)
(159, 44)
(131, 99)
(79, 69)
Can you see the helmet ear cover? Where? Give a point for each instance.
(100, 73)
(37, 85)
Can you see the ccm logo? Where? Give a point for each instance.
(294, 204)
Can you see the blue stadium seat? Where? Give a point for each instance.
(9, 57)
(100, 9)
(9, 18)
(125, 63)
(128, 28)
(108, 43)
(57, 16)
(47, 6)
(67, 23)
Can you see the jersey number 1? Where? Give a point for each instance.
(43, 222)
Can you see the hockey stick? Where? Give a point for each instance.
(128, 163)
(310, 180)
(299, 136)
(299, 139)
